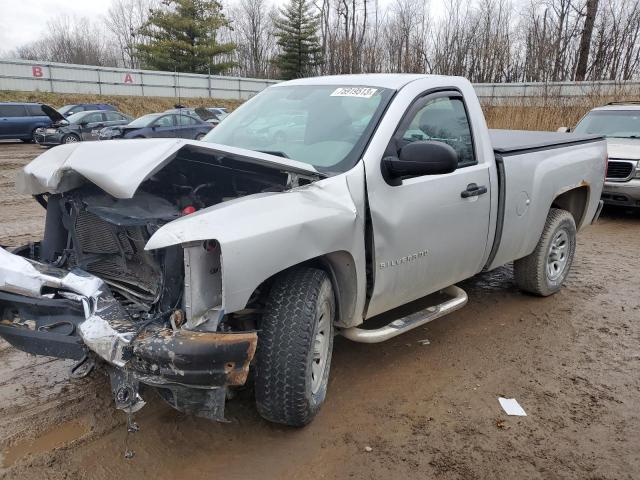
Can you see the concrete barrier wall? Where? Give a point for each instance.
(66, 78)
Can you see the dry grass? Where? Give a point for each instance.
(134, 106)
(547, 114)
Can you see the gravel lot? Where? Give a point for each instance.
(401, 409)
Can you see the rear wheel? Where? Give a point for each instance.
(546, 268)
(33, 137)
(295, 346)
(200, 136)
(70, 138)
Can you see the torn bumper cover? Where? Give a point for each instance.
(50, 311)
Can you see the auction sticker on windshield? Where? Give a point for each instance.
(362, 92)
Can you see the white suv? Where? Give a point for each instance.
(619, 122)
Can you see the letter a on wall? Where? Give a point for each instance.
(128, 78)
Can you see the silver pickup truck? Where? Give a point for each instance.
(186, 266)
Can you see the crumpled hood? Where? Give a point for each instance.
(118, 167)
(624, 148)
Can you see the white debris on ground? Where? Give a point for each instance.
(511, 407)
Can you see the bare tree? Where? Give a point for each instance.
(124, 20)
(71, 40)
(585, 39)
(252, 22)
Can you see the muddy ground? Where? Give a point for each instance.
(425, 411)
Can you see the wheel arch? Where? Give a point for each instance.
(575, 201)
(340, 266)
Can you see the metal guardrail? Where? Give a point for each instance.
(25, 75)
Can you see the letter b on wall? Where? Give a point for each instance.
(36, 71)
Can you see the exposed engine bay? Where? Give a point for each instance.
(154, 315)
(105, 236)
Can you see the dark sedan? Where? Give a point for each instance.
(78, 127)
(156, 125)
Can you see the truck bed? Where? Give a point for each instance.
(534, 167)
(512, 142)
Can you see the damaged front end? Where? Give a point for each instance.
(47, 310)
(154, 317)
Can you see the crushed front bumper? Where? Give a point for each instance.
(70, 314)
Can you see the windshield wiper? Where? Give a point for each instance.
(275, 153)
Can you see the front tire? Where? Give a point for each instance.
(544, 270)
(70, 138)
(295, 346)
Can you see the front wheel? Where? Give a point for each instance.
(199, 136)
(70, 138)
(544, 270)
(295, 346)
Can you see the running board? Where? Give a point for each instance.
(404, 324)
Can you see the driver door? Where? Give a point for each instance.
(426, 236)
(164, 127)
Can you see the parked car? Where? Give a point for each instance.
(619, 122)
(69, 110)
(204, 114)
(78, 127)
(159, 125)
(183, 264)
(19, 121)
(275, 130)
(218, 110)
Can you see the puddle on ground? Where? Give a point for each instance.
(48, 441)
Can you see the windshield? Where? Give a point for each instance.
(65, 109)
(144, 121)
(611, 123)
(326, 126)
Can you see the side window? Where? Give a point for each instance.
(13, 111)
(113, 116)
(185, 120)
(165, 121)
(35, 111)
(92, 118)
(442, 119)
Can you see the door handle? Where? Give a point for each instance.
(473, 190)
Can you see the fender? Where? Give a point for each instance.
(263, 234)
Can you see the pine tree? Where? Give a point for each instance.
(297, 33)
(183, 37)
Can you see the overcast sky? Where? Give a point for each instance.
(21, 21)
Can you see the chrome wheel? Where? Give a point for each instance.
(321, 344)
(70, 139)
(558, 255)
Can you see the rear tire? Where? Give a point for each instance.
(546, 268)
(199, 136)
(294, 347)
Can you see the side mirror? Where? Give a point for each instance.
(83, 124)
(422, 158)
(564, 130)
